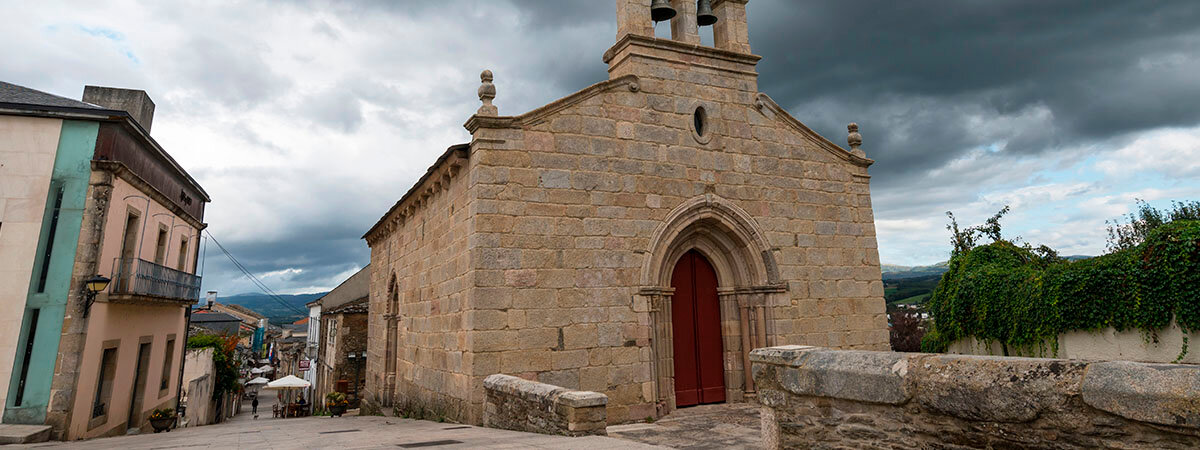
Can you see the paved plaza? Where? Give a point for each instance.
(343, 433)
(720, 426)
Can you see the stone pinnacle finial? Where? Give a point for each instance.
(487, 92)
(855, 141)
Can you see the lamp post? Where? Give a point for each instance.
(91, 287)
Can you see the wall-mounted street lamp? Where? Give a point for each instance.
(91, 287)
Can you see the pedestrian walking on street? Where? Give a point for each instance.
(254, 406)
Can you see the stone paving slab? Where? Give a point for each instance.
(20, 434)
(722, 426)
(344, 433)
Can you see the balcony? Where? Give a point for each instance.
(133, 276)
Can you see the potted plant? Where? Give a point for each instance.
(336, 403)
(162, 419)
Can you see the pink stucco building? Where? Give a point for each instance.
(103, 198)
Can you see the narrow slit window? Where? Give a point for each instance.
(45, 269)
(25, 360)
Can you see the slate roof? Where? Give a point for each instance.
(209, 317)
(11, 93)
(357, 306)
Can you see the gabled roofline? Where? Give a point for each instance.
(463, 149)
(764, 103)
(538, 115)
(319, 300)
(104, 115)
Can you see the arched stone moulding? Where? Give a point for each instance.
(747, 278)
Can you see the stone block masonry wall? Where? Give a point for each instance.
(820, 398)
(517, 404)
(426, 254)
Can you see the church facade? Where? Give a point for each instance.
(636, 238)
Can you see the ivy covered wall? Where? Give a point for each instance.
(1024, 298)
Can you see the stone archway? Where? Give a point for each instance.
(747, 279)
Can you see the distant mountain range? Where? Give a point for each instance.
(272, 309)
(910, 284)
(915, 284)
(894, 272)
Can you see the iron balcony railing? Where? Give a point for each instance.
(140, 277)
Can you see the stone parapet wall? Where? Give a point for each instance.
(518, 404)
(1107, 344)
(821, 398)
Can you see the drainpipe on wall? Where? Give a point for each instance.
(187, 328)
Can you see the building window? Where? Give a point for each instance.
(58, 199)
(104, 385)
(168, 358)
(129, 242)
(160, 248)
(333, 333)
(29, 340)
(702, 130)
(183, 251)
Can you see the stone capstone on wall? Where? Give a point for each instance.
(1165, 394)
(818, 398)
(517, 404)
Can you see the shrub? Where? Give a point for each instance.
(907, 329)
(1023, 298)
(225, 362)
(336, 399)
(162, 413)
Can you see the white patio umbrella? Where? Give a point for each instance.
(289, 382)
(263, 369)
(259, 380)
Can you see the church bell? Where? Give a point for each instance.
(661, 10)
(704, 13)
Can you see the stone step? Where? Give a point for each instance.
(23, 434)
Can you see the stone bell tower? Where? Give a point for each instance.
(638, 52)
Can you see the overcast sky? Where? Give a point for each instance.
(306, 121)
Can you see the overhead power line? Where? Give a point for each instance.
(253, 279)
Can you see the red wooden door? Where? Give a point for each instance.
(696, 326)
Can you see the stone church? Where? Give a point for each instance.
(635, 238)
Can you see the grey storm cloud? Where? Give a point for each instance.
(1098, 68)
(928, 81)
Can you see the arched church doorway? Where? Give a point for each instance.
(696, 326)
